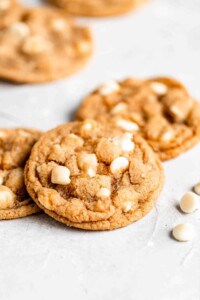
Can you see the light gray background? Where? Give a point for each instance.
(41, 259)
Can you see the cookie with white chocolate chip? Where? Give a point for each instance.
(97, 8)
(10, 10)
(43, 45)
(93, 176)
(15, 148)
(159, 109)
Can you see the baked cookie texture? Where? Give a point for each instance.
(159, 109)
(15, 147)
(10, 10)
(43, 45)
(97, 8)
(95, 177)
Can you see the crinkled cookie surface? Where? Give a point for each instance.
(15, 148)
(159, 109)
(43, 45)
(94, 177)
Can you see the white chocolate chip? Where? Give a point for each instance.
(7, 198)
(109, 88)
(88, 162)
(2, 134)
(58, 24)
(119, 165)
(84, 47)
(87, 126)
(24, 133)
(159, 88)
(91, 172)
(103, 193)
(4, 4)
(127, 206)
(189, 203)
(167, 136)
(183, 232)
(177, 112)
(36, 45)
(118, 108)
(125, 142)
(197, 188)
(19, 29)
(60, 175)
(77, 138)
(127, 125)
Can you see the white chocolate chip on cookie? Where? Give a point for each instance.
(4, 4)
(60, 175)
(119, 165)
(103, 193)
(159, 88)
(109, 88)
(77, 138)
(189, 203)
(183, 232)
(177, 112)
(36, 45)
(127, 125)
(84, 47)
(127, 207)
(58, 24)
(19, 29)
(197, 188)
(125, 142)
(167, 136)
(7, 198)
(88, 162)
(118, 108)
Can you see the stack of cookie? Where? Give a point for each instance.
(102, 171)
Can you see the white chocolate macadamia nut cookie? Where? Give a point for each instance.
(10, 11)
(159, 109)
(43, 44)
(93, 176)
(15, 148)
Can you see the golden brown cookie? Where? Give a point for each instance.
(160, 109)
(95, 177)
(15, 148)
(97, 8)
(43, 45)
(10, 10)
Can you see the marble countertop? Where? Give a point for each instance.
(42, 259)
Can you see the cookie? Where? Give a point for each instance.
(97, 8)
(10, 10)
(159, 109)
(95, 177)
(43, 45)
(15, 147)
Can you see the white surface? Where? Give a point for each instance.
(41, 259)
